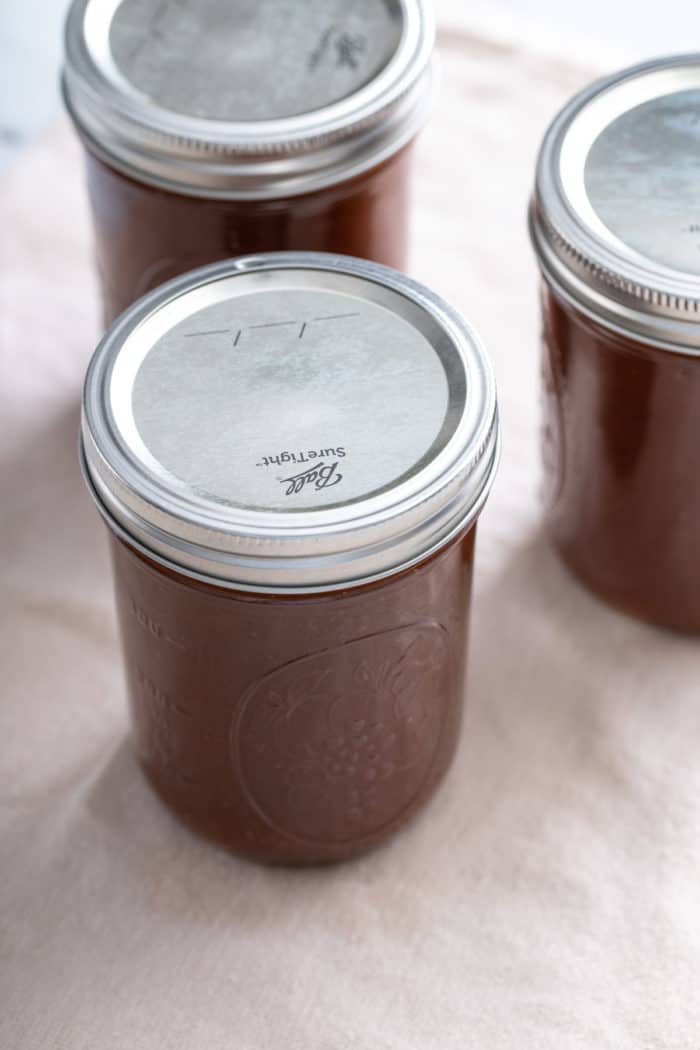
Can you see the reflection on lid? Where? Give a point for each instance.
(252, 59)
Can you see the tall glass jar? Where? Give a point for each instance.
(215, 128)
(291, 453)
(616, 229)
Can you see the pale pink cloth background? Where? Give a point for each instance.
(550, 896)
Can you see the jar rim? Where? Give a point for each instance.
(244, 159)
(235, 536)
(578, 214)
(129, 539)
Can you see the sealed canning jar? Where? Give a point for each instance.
(615, 222)
(291, 452)
(216, 128)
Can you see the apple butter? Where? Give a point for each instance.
(616, 229)
(216, 128)
(291, 452)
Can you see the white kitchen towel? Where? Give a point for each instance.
(549, 897)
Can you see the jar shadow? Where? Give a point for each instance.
(561, 689)
(177, 874)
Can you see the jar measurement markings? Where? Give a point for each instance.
(303, 326)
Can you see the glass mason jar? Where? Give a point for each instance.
(616, 229)
(291, 452)
(215, 128)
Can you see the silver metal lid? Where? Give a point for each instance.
(290, 422)
(615, 217)
(247, 98)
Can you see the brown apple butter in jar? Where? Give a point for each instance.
(216, 128)
(291, 452)
(615, 222)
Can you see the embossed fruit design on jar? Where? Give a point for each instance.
(215, 128)
(355, 729)
(291, 452)
(615, 225)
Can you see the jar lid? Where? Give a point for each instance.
(247, 98)
(615, 217)
(290, 422)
